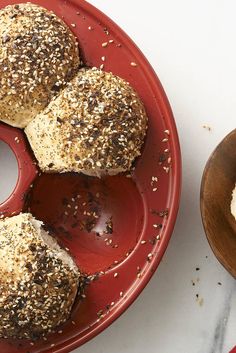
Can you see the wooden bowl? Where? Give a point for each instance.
(218, 181)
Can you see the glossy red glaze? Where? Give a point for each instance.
(142, 209)
(233, 350)
(89, 216)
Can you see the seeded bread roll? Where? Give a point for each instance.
(233, 203)
(38, 53)
(95, 126)
(38, 279)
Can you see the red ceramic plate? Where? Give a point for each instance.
(135, 215)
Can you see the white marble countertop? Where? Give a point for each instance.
(191, 45)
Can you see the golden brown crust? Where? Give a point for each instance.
(95, 126)
(38, 53)
(37, 286)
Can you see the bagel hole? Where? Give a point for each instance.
(8, 171)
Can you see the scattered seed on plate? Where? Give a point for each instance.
(154, 178)
(143, 241)
(166, 169)
(73, 323)
(105, 44)
(133, 64)
(155, 225)
(165, 139)
(89, 28)
(100, 313)
(103, 58)
(115, 275)
(52, 345)
(111, 41)
(167, 132)
(102, 66)
(112, 303)
(166, 150)
(60, 331)
(154, 189)
(121, 294)
(149, 257)
(169, 160)
(158, 237)
(73, 25)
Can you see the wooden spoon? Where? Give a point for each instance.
(218, 182)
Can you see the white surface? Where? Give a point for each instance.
(191, 45)
(8, 171)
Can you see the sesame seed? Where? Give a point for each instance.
(121, 294)
(167, 132)
(165, 140)
(207, 127)
(73, 25)
(104, 45)
(133, 64)
(143, 242)
(166, 169)
(115, 275)
(154, 189)
(103, 58)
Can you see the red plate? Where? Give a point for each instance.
(142, 209)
